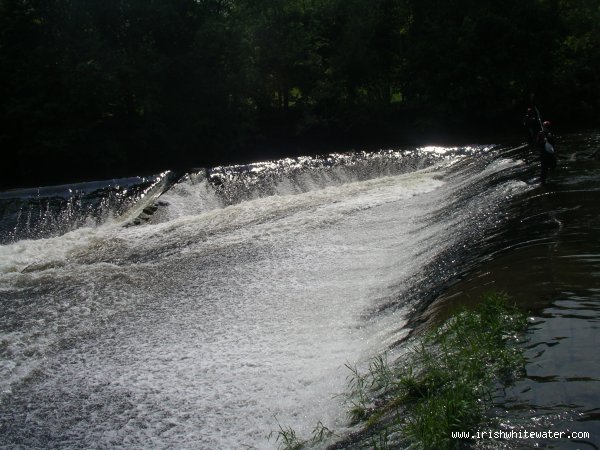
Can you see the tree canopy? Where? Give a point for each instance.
(106, 88)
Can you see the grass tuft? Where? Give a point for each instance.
(287, 438)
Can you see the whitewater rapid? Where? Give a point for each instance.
(216, 321)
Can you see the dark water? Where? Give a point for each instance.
(237, 302)
(547, 258)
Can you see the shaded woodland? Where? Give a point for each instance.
(109, 88)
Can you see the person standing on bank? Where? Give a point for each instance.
(546, 145)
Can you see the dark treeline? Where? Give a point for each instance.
(107, 88)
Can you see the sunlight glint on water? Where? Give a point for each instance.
(205, 328)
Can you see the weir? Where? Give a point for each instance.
(238, 302)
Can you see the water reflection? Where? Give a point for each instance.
(547, 257)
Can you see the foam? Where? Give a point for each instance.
(211, 326)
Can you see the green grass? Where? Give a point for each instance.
(446, 382)
(288, 440)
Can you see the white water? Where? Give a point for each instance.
(204, 330)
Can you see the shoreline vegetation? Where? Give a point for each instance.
(444, 383)
(110, 89)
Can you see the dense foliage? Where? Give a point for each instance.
(94, 88)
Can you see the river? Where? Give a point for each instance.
(203, 310)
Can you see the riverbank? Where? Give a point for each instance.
(443, 384)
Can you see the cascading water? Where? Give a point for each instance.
(52, 211)
(237, 302)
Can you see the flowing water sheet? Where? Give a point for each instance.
(237, 303)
